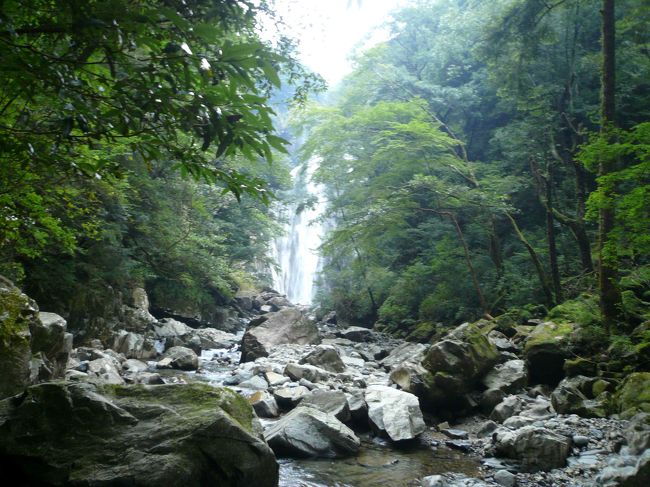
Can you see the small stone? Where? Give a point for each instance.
(455, 434)
(505, 478)
(580, 441)
(462, 445)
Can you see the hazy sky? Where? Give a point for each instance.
(328, 30)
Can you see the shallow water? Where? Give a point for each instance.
(377, 464)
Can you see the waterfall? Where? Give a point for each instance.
(296, 252)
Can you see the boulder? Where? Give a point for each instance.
(289, 397)
(170, 328)
(637, 433)
(510, 406)
(92, 434)
(105, 369)
(308, 372)
(356, 334)
(275, 379)
(357, 405)
(326, 357)
(545, 350)
(18, 314)
(181, 358)
(633, 395)
(49, 337)
(508, 377)
(394, 413)
(406, 352)
(573, 396)
(635, 475)
(34, 347)
(330, 402)
(308, 432)
(409, 377)
(285, 326)
(279, 302)
(535, 447)
(455, 366)
(257, 383)
(135, 317)
(264, 405)
(133, 345)
(210, 338)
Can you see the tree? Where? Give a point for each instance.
(610, 298)
(87, 85)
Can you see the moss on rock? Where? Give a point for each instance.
(17, 312)
(633, 395)
(176, 435)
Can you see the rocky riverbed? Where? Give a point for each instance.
(335, 405)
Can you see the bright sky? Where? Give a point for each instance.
(329, 30)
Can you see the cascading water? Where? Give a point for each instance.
(296, 252)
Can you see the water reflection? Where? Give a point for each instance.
(376, 465)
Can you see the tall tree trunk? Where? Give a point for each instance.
(610, 297)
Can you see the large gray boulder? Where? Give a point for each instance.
(172, 435)
(50, 339)
(356, 334)
(455, 366)
(181, 358)
(213, 338)
(535, 447)
(331, 402)
(264, 404)
(289, 397)
(573, 395)
(171, 328)
(285, 326)
(105, 369)
(326, 357)
(394, 413)
(133, 345)
(407, 352)
(308, 432)
(508, 377)
(308, 372)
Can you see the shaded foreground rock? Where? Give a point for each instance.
(308, 432)
(288, 325)
(34, 346)
(172, 435)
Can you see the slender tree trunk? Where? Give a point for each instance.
(610, 297)
(579, 230)
(470, 266)
(550, 237)
(541, 274)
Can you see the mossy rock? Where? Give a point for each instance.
(583, 310)
(546, 349)
(61, 433)
(455, 366)
(580, 366)
(633, 395)
(17, 315)
(422, 333)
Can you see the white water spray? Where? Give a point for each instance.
(296, 252)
